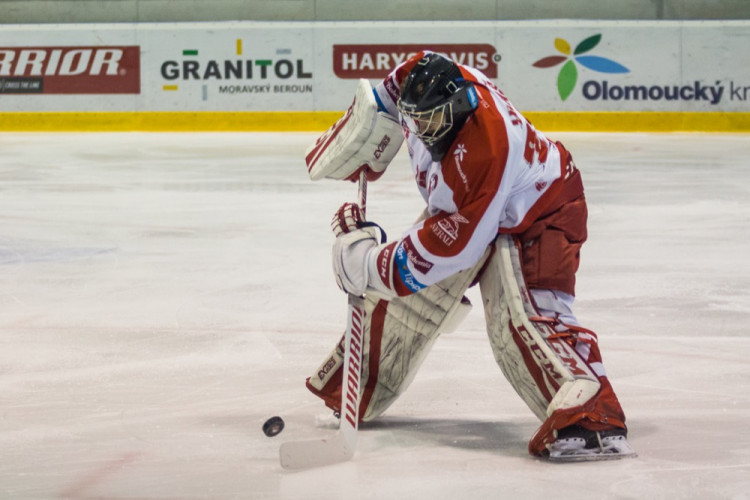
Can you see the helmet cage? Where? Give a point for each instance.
(429, 126)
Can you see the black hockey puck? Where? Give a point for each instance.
(273, 426)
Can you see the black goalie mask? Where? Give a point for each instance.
(435, 102)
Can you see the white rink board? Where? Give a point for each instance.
(670, 66)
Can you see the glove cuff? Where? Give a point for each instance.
(350, 256)
(380, 269)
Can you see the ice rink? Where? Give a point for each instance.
(162, 295)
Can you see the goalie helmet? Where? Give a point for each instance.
(435, 102)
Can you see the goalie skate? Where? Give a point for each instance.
(576, 444)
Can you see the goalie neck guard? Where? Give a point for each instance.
(435, 102)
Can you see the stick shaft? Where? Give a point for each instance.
(342, 445)
(362, 193)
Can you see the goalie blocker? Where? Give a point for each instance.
(363, 138)
(558, 374)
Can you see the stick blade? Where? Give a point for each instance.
(339, 447)
(307, 454)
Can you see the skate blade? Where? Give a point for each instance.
(591, 457)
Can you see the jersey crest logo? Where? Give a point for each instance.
(458, 155)
(447, 229)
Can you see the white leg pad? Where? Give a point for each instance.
(411, 326)
(398, 335)
(544, 370)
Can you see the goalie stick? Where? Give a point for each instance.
(341, 446)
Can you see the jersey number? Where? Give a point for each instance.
(536, 146)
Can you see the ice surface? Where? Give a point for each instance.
(162, 295)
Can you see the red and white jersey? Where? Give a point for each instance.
(499, 174)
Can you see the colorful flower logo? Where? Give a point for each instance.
(568, 76)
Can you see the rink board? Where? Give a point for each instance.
(263, 76)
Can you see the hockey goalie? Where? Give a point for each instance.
(505, 209)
